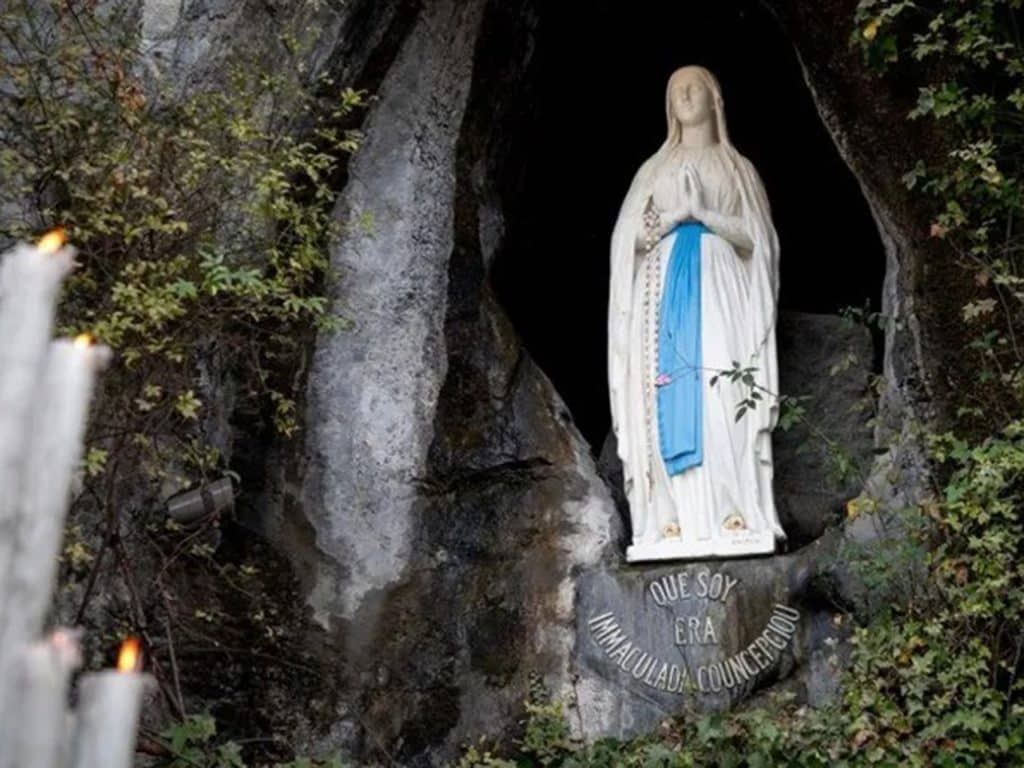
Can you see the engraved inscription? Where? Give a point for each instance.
(692, 630)
(760, 655)
(679, 586)
(630, 658)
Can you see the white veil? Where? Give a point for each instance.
(762, 264)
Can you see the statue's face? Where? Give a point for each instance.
(691, 99)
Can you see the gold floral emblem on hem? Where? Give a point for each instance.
(734, 522)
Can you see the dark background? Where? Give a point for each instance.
(598, 113)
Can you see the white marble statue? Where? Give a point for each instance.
(694, 283)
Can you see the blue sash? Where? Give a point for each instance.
(679, 379)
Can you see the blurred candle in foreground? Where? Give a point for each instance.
(53, 452)
(40, 736)
(30, 278)
(108, 712)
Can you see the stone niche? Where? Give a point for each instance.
(643, 649)
(453, 533)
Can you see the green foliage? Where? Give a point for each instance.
(546, 735)
(745, 376)
(890, 568)
(193, 743)
(969, 61)
(201, 219)
(482, 758)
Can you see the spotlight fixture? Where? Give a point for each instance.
(208, 499)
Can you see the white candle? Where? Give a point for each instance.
(108, 714)
(37, 729)
(54, 450)
(30, 280)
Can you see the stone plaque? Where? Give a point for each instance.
(710, 633)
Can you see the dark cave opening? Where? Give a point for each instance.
(597, 113)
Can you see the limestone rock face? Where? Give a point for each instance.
(373, 390)
(823, 461)
(447, 502)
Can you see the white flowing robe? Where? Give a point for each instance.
(738, 297)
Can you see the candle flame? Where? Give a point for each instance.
(83, 341)
(128, 658)
(52, 241)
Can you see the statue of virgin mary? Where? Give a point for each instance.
(691, 340)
